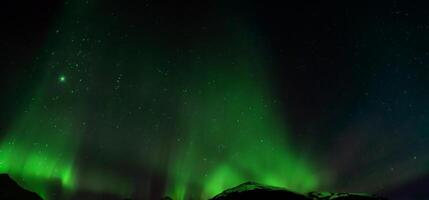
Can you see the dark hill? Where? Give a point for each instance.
(251, 190)
(10, 190)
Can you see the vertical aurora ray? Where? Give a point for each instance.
(236, 140)
(113, 101)
(39, 149)
(142, 99)
(232, 131)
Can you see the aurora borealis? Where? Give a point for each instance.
(144, 99)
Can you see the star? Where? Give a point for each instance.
(62, 79)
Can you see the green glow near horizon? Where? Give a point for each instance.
(244, 143)
(229, 130)
(233, 134)
(39, 149)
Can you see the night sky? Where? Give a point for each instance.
(144, 99)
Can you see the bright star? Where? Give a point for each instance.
(62, 79)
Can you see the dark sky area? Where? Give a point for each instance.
(187, 98)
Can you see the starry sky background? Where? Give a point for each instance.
(187, 98)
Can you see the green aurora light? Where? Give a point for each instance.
(40, 149)
(229, 129)
(233, 135)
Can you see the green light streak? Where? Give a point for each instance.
(221, 178)
(244, 143)
(39, 149)
(233, 133)
(229, 129)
